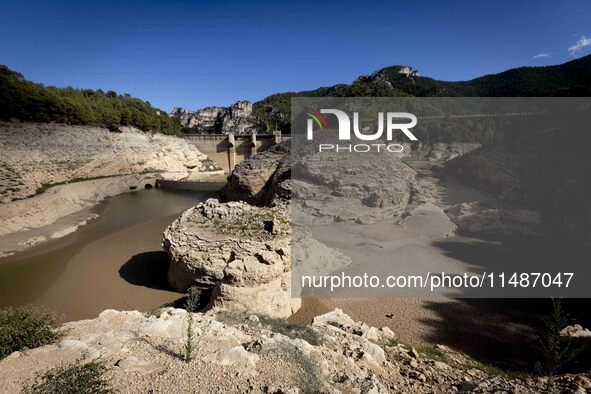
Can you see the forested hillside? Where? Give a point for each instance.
(29, 101)
(569, 79)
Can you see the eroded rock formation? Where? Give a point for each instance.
(240, 249)
(35, 154)
(241, 252)
(263, 178)
(239, 118)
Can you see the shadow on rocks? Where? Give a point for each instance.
(148, 269)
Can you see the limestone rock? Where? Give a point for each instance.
(339, 320)
(481, 217)
(339, 187)
(35, 154)
(429, 221)
(232, 356)
(576, 331)
(262, 178)
(239, 118)
(241, 252)
(336, 318)
(236, 356)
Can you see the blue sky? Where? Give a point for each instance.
(198, 53)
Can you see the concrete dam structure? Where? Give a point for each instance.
(227, 150)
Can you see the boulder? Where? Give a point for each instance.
(575, 331)
(236, 356)
(429, 221)
(239, 251)
(261, 179)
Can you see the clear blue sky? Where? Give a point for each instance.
(199, 53)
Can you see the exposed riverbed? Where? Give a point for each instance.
(115, 261)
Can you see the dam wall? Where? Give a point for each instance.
(227, 150)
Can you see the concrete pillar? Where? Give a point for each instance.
(254, 144)
(277, 135)
(231, 152)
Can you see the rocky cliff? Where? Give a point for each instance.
(52, 174)
(239, 118)
(37, 154)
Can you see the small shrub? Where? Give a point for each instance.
(393, 342)
(25, 328)
(76, 378)
(556, 351)
(43, 188)
(191, 306)
(433, 353)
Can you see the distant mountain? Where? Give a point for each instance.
(569, 79)
(29, 101)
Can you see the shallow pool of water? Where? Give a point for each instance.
(114, 262)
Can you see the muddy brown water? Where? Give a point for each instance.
(115, 261)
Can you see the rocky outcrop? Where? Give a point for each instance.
(35, 154)
(409, 71)
(575, 331)
(239, 251)
(205, 119)
(484, 218)
(338, 187)
(527, 169)
(237, 353)
(262, 178)
(383, 76)
(239, 118)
